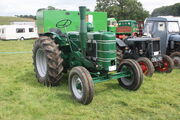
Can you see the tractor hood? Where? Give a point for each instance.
(174, 38)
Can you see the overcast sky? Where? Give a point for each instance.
(27, 7)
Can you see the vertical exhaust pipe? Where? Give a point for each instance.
(83, 29)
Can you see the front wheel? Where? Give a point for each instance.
(133, 69)
(146, 66)
(81, 85)
(166, 64)
(176, 59)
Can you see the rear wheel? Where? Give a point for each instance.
(176, 59)
(47, 61)
(166, 64)
(81, 85)
(146, 66)
(135, 78)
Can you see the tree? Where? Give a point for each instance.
(87, 9)
(51, 8)
(26, 16)
(122, 9)
(173, 10)
(40, 9)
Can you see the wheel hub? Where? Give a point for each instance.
(164, 66)
(127, 80)
(144, 67)
(77, 86)
(41, 62)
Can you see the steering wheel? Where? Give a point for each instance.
(63, 23)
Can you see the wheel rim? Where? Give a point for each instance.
(144, 67)
(164, 67)
(77, 86)
(41, 63)
(176, 61)
(127, 80)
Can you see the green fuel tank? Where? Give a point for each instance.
(106, 50)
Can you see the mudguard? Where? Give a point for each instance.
(120, 43)
(60, 38)
(174, 38)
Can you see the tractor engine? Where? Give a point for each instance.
(101, 48)
(144, 47)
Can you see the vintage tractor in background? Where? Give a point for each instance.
(88, 58)
(169, 32)
(146, 51)
(112, 25)
(127, 28)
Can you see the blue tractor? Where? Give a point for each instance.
(169, 32)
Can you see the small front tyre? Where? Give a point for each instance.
(166, 65)
(135, 78)
(176, 59)
(81, 85)
(146, 66)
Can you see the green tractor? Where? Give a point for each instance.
(87, 57)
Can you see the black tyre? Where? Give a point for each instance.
(22, 38)
(81, 85)
(146, 66)
(134, 81)
(47, 61)
(119, 54)
(166, 64)
(141, 72)
(176, 59)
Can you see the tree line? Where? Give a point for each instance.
(124, 10)
(26, 16)
(172, 10)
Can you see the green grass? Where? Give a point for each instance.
(6, 20)
(23, 98)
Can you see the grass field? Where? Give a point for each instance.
(23, 98)
(6, 20)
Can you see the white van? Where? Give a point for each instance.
(18, 32)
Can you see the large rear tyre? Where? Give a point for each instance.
(135, 78)
(81, 85)
(166, 65)
(146, 66)
(176, 59)
(47, 61)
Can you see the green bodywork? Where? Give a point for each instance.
(112, 25)
(47, 19)
(96, 51)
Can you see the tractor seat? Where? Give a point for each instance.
(57, 31)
